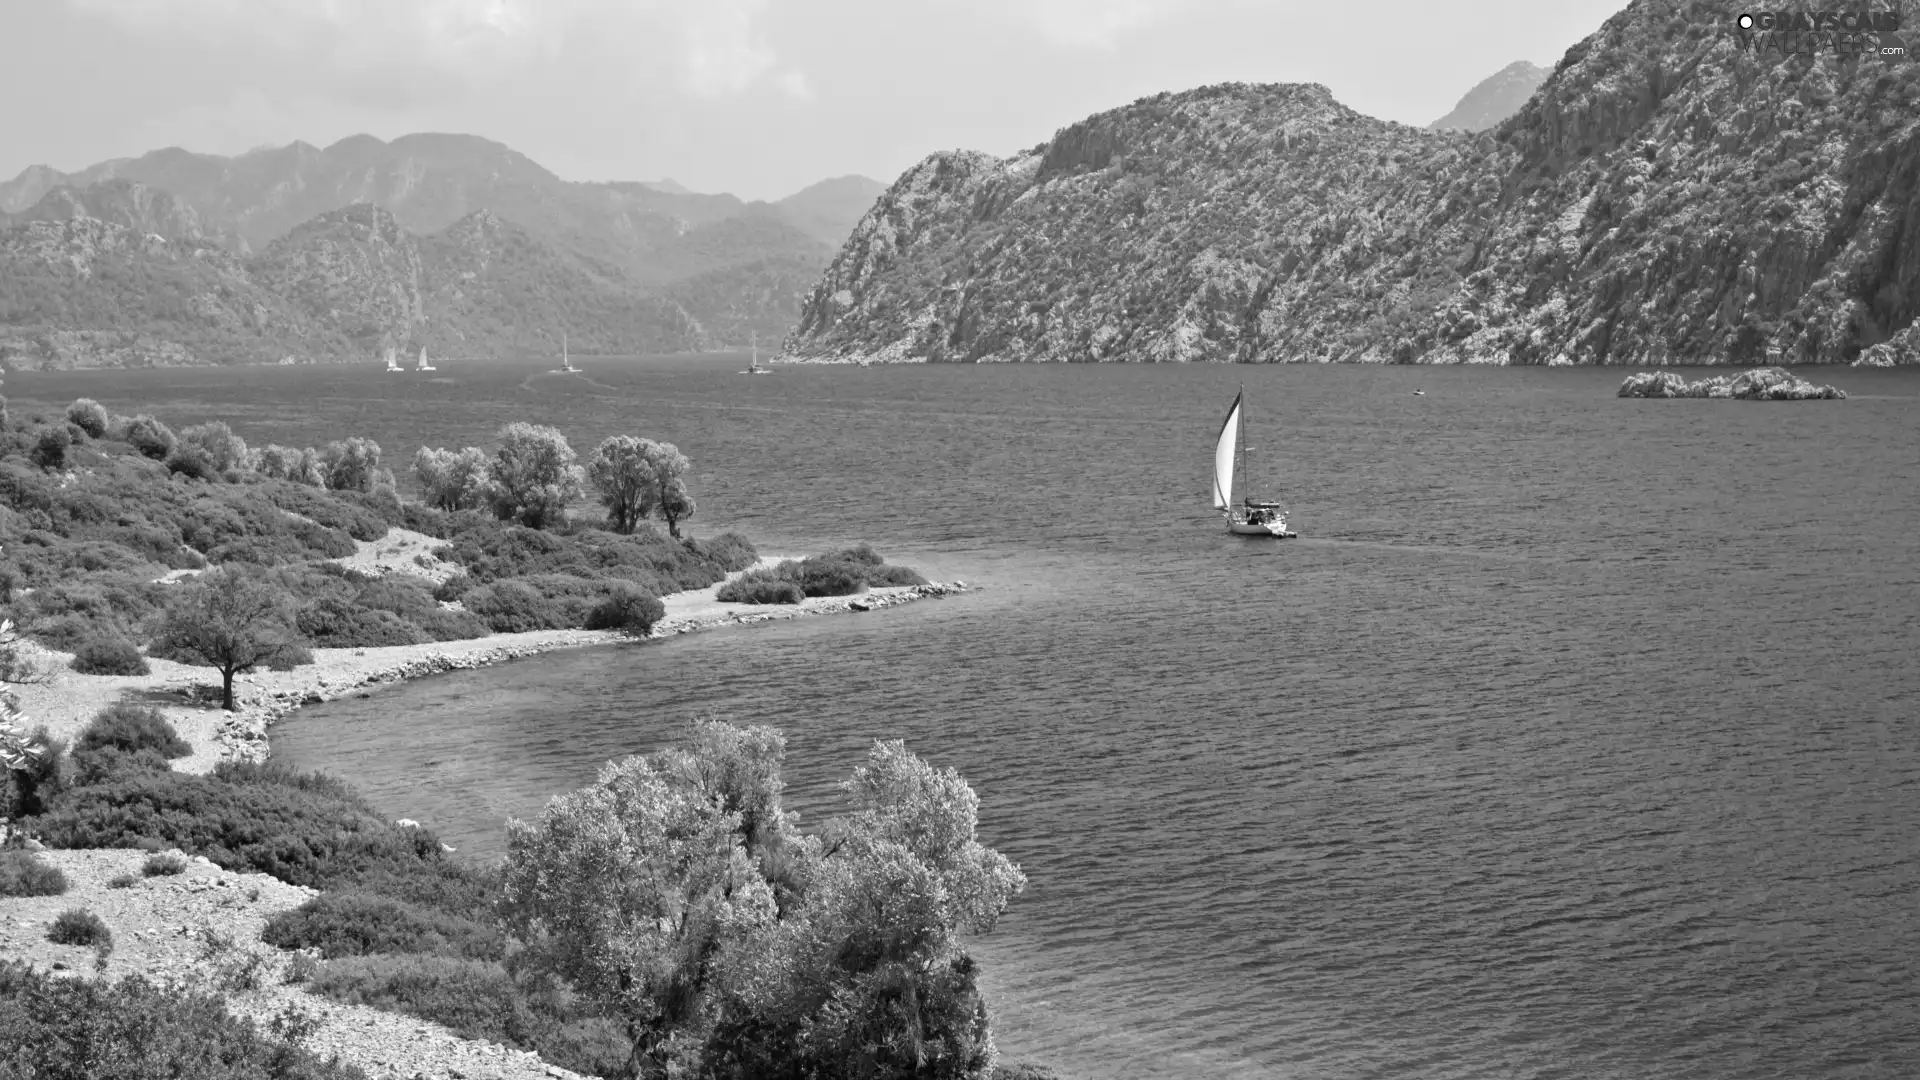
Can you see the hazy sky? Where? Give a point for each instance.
(756, 97)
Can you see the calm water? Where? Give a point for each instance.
(1575, 738)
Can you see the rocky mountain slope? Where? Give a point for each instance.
(1670, 194)
(643, 239)
(87, 292)
(1495, 98)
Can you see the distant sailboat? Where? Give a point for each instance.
(753, 365)
(1254, 518)
(423, 365)
(566, 362)
(392, 363)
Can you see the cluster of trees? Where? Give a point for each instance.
(535, 475)
(681, 896)
(211, 451)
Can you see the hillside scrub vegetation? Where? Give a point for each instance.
(91, 544)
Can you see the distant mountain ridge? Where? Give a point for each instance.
(1494, 98)
(644, 240)
(1673, 193)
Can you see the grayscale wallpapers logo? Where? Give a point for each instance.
(1846, 33)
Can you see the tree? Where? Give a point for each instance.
(232, 620)
(351, 465)
(679, 894)
(89, 416)
(622, 469)
(670, 494)
(533, 476)
(151, 437)
(452, 480)
(226, 453)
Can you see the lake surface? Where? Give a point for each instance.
(1576, 737)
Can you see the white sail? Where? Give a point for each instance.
(1223, 457)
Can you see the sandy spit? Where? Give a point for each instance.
(190, 696)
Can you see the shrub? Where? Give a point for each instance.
(108, 764)
(109, 656)
(130, 728)
(305, 830)
(831, 577)
(76, 926)
(192, 462)
(151, 437)
(89, 416)
(761, 588)
(164, 864)
(1023, 1071)
(511, 607)
(122, 881)
(894, 575)
(729, 551)
(81, 1029)
(627, 608)
(357, 924)
(25, 873)
(50, 448)
(26, 791)
(480, 1000)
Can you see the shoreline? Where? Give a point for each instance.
(189, 695)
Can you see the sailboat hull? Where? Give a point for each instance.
(1242, 528)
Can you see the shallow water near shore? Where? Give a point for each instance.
(1576, 736)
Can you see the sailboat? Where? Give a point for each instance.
(566, 362)
(423, 365)
(1253, 517)
(392, 364)
(753, 365)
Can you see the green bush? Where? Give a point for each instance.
(50, 448)
(164, 864)
(480, 1000)
(149, 436)
(627, 607)
(729, 551)
(894, 575)
(130, 728)
(81, 1029)
(357, 924)
(76, 926)
(109, 656)
(24, 873)
(106, 764)
(25, 792)
(89, 416)
(511, 607)
(122, 881)
(761, 587)
(303, 829)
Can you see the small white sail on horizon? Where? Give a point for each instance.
(1223, 456)
(393, 364)
(423, 365)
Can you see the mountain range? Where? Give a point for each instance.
(453, 242)
(1675, 191)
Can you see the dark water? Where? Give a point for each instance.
(1575, 738)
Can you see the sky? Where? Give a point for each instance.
(755, 97)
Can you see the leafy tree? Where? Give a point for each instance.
(89, 415)
(452, 480)
(231, 620)
(670, 485)
(226, 453)
(533, 476)
(150, 437)
(622, 470)
(352, 465)
(50, 449)
(678, 894)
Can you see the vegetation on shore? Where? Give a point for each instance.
(837, 573)
(118, 533)
(669, 920)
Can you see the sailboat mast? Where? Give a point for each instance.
(1240, 466)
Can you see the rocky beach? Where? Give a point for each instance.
(1763, 384)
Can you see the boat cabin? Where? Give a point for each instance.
(1263, 513)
